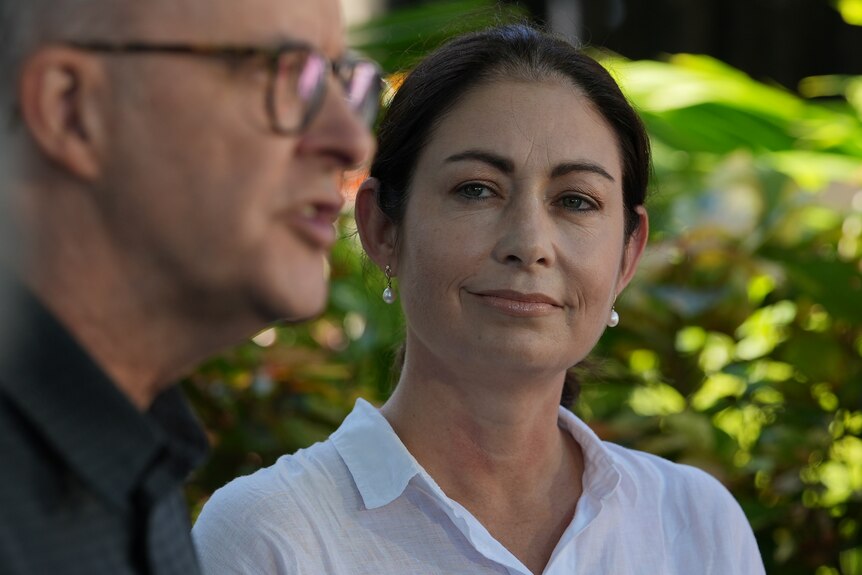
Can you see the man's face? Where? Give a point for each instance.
(209, 207)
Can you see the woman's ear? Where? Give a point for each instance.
(633, 250)
(59, 98)
(377, 232)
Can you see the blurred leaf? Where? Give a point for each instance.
(656, 399)
(399, 39)
(815, 170)
(717, 386)
(837, 285)
(851, 11)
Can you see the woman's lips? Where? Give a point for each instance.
(518, 304)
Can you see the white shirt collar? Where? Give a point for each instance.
(637, 514)
(382, 466)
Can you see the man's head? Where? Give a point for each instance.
(165, 169)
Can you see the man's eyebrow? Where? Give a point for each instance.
(507, 166)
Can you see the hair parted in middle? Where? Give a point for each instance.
(511, 52)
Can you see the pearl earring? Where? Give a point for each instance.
(614, 320)
(388, 294)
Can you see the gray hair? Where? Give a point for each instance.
(27, 24)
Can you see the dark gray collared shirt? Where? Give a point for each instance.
(88, 484)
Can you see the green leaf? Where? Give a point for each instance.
(851, 11)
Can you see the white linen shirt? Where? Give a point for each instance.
(359, 503)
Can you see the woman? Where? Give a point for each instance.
(507, 197)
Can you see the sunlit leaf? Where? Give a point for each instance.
(716, 387)
(822, 392)
(814, 170)
(759, 287)
(837, 479)
(767, 370)
(744, 424)
(717, 352)
(690, 339)
(851, 561)
(767, 396)
(643, 361)
(851, 11)
(656, 399)
(764, 329)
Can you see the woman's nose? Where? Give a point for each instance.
(526, 235)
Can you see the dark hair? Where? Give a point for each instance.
(518, 52)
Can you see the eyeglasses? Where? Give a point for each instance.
(298, 76)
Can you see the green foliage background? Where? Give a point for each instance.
(740, 347)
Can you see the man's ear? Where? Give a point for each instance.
(376, 230)
(633, 250)
(60, 96)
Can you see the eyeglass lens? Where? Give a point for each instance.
(362, 87)
(312, 75)
(300, 82)
(296, 88)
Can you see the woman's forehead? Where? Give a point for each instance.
(530, 122)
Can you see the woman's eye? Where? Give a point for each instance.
(475, 191)
(576, 203)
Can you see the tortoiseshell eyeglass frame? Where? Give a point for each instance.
(344, 69)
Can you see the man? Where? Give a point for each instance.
(169, 176)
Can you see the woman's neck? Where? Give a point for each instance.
(480, 432)
(492, 443)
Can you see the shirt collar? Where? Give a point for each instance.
(79, 412)
(601, 474)
(382, 466)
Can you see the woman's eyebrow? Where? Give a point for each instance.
(503, 164)
(507, 166)
(580, 166)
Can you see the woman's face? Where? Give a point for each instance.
(512, 251)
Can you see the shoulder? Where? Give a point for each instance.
(38, 474)
(260, 522)
(690, 507)
(638, 478)
(664, 476)
(296, 480)
(677, 488)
